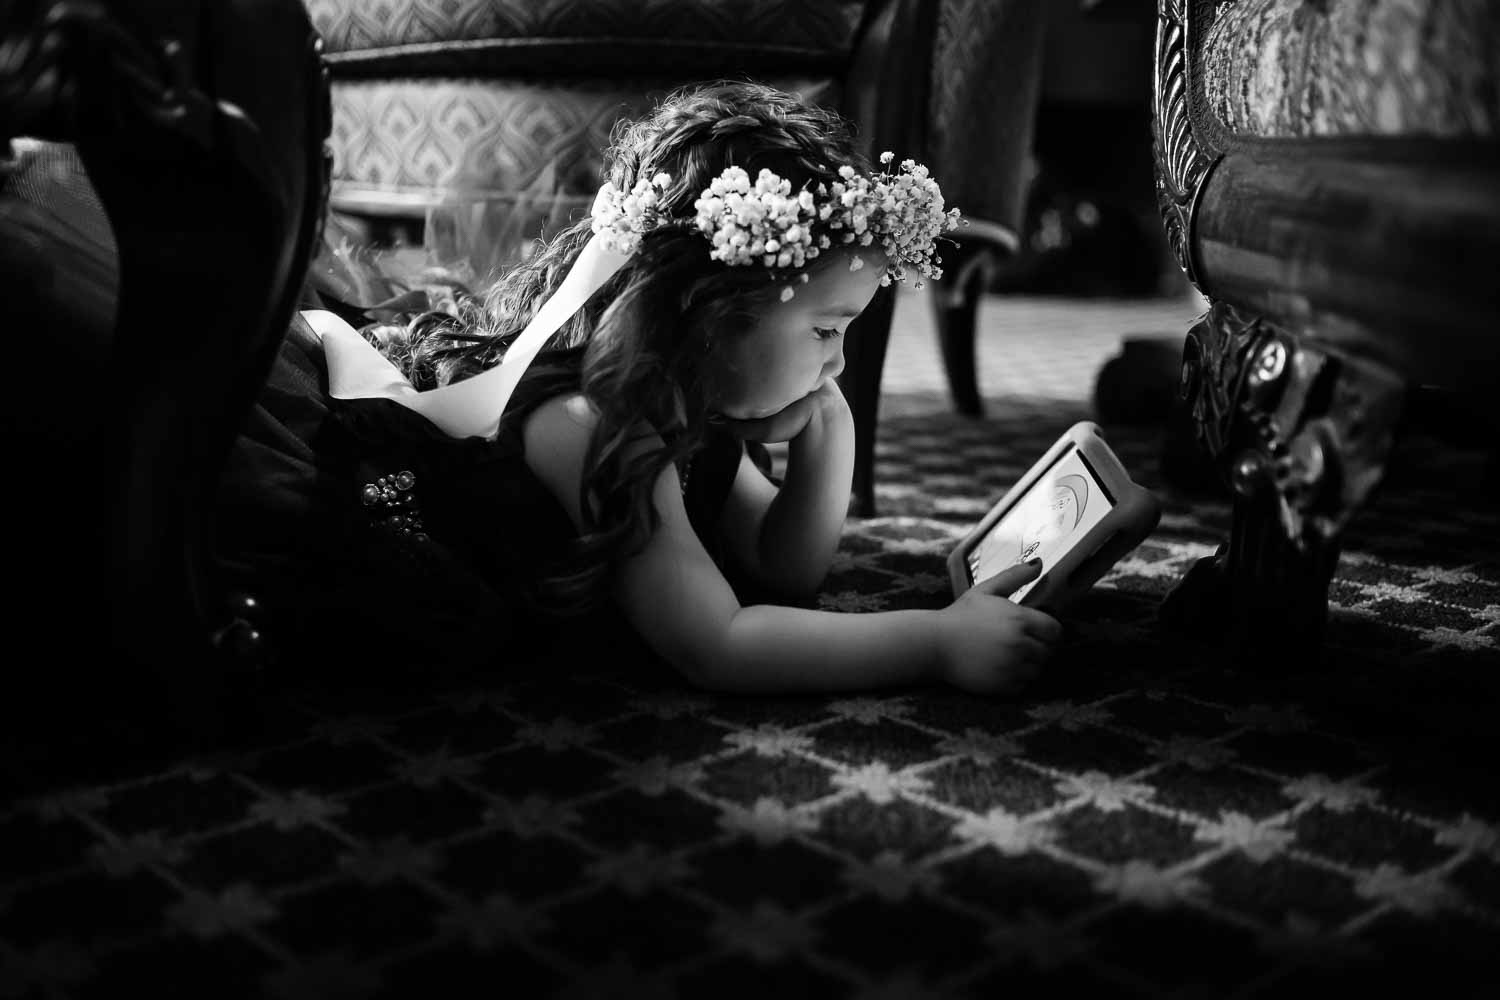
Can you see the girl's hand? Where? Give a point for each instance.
(989, 645)
(824, 401)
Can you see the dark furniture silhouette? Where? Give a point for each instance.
(158, 214)
(1329, 175)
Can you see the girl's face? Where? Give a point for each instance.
(793, 346)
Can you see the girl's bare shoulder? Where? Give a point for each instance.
(556, 436)
(560, 425)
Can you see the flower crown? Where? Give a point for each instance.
(765, 223)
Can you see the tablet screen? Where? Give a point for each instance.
(1059, 509)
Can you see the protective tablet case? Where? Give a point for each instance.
(1134, 516)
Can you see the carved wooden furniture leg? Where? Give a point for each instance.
(864, 359)
(1301, 432)
(1341, 268)
(955, 306)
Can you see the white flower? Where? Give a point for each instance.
(1423, 893)
(1335, 796)
(639, 869)
(880, 784)
(767, 933)
(1069, 716)
(768, 740)
(979, 746)
(556, 735)
(657, 774)
(1470, 834)
(765, 223)
(1105, 793)
(891, 877)
(1008, 834)
(295, 809)
(497, 920)
(869, 711)
(767, 822)
(1144, 883)
(1257, 841)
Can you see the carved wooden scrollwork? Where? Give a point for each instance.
(1181, 162)
(75, 40)
(1290, 420)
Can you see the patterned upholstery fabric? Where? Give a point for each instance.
(433, 97)
(825, 25)
(985, 71)
(1298, 68)
(410, 141)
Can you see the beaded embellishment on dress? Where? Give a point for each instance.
(393, 506)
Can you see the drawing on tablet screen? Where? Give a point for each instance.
(1058, 518)
(1062, 507)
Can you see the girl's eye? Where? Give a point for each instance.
(824, 333)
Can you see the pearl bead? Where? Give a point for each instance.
(405, 480)
(371, 496)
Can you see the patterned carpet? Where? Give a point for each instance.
(1143, 822)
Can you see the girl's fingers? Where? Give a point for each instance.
(1028, 652)
(1040, 652)
(1004, 583)
(1041, 625)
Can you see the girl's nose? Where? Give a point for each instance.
(834, 366)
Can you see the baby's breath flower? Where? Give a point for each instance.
(764, 222)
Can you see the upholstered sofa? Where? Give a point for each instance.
(454, 121)
(1329, 176)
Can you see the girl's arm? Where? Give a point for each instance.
(680, 603)
(785, 539)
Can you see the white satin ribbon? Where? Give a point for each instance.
(473, 407)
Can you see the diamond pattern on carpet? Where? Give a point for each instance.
(1146, 820)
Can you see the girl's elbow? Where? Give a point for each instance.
(712, 666)
(708, 674)
(799, 590)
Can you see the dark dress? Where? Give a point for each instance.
(361, 569)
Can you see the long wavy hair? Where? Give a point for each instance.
(636, 349)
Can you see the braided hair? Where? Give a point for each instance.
(636, 349)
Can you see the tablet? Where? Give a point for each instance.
(1077, 509)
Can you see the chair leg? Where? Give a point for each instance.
(864, 361)
(955, 310)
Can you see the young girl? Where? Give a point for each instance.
(434, 514)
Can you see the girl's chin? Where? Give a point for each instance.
(748, 413)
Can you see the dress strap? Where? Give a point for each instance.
(474, 406)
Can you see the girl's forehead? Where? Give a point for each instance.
(837, 289)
